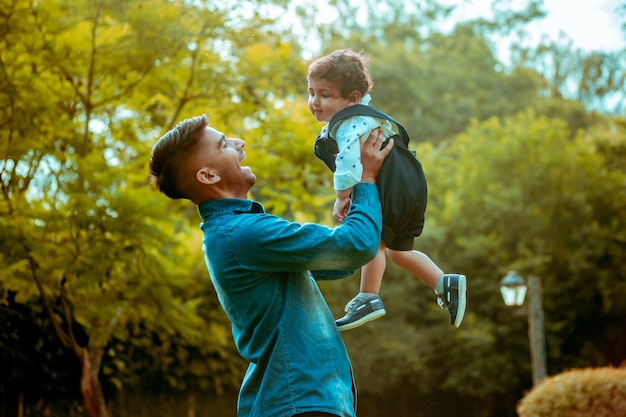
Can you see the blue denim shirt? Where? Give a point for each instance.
(260, 266)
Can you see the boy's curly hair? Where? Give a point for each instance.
(346, 68)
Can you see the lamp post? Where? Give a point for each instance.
(513, 289)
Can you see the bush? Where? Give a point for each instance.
(593, 392)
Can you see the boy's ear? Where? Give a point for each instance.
(355, 97)
(207, 176)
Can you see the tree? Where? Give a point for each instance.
(435, 81)
(517, 193)
(596, 79)
(82, 230)
(89, 250)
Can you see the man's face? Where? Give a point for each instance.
(325, 99)
(221, 157)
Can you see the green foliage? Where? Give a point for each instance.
(435, 81)
(444, 82)
(292, 182)
(517, 193)
(31, 356)
(593, 392)
(595, 79)
(87, 88)
(520, 194)
(92, 257)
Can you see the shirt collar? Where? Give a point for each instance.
(232, 205)
(324, 134)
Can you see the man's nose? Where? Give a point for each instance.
(237, 143)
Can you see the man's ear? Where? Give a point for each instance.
(207, 176)
(355, 97)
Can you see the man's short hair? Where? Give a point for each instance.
(170, 153)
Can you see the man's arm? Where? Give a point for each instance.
(269, 243)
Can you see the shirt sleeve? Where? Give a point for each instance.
(348, 161)
(267, 243)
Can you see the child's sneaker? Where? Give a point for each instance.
(359, 311)
(451, 295)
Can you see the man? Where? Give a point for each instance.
(263, 270)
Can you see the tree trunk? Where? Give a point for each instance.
(91, 390)
(191, 403)
(20, 404)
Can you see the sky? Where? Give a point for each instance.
(590, 24)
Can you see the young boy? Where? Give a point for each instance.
(338, 85)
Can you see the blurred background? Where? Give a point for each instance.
(516, 109)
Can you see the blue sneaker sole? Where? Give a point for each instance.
(369, 317)
(462, 289)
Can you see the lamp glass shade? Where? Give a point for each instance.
(513, 296)
(513, 289)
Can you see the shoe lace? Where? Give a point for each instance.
(350, 304)
(441, 302)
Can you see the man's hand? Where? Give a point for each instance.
(372, 157)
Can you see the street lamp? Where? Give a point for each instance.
(513, 289)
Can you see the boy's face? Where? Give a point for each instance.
(325, 99)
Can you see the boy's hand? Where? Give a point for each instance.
(340, 210)
(372, 157)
